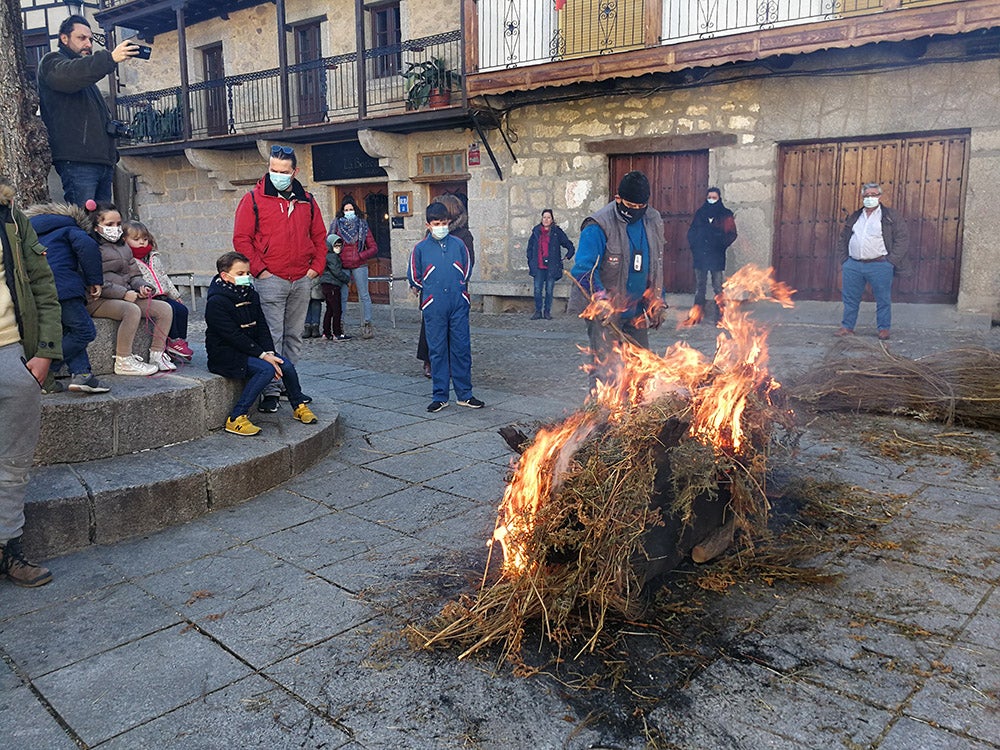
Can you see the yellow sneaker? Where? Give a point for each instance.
(242, 426)
(304, 414)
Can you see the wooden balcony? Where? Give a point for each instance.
(529, 45)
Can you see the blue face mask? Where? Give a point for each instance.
(349, 215)
(243, 280)
(439, 233)
(280, 181)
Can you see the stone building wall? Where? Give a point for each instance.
(555, 169)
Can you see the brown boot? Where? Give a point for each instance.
(20, 571)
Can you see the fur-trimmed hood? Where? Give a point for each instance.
(6, 194)
(77, 214)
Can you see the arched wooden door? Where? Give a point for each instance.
(678, 182)
(922, 175)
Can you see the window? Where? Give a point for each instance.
(36, 46)
(441, 164)
(386, 40)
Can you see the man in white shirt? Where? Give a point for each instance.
(872, 246)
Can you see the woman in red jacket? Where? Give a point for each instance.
(359, 248)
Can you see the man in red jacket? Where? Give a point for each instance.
(280, 229)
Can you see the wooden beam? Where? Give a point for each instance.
(662, 144)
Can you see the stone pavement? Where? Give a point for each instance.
(276, 623)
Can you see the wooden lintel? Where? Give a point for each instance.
(662, 144)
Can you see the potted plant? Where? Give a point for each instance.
(430, 82)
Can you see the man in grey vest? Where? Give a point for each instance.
(620, 259)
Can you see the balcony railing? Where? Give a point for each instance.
(319, 91)
(514, 33)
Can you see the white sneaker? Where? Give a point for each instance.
(162, 361)
(131, 364)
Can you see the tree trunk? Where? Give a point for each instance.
(25, 158)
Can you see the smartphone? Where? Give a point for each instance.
(144, 51)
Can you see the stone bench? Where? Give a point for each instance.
(516, 296)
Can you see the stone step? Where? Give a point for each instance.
(140, 413)
(71, 506)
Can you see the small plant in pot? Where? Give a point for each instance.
(430, 82)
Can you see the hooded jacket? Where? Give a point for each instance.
(235, 330)
(73, 254)
(73, 109)
(283, 237)
(29, 280)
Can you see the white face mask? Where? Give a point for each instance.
(111, 234)
(870, 201)
(349, 215)
(439, 233)
(243, 280)
(712, 201)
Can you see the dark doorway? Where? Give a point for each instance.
(922, 175)
(373, 205)
(678, 182)
(309, 76)
(216, 119)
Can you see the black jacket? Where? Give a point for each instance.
(557, 241)
(73, 109)
(236, 330)
(73, 255)
(712, 231)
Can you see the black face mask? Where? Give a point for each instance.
(631, 215)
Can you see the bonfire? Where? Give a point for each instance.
(666, 459)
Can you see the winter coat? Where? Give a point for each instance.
(358, 250)
(154, 273)
(235, 329)
(440, 270)
(460, 228)
(73, 109)
(894, 234)
(283, 237)
(712, 231)
(73, 254)
(613, 265)
(121, 271)
(557, 241)
(334, 272)
(30, 281)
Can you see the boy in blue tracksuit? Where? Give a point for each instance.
(438, 272)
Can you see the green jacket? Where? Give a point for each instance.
(36, 300)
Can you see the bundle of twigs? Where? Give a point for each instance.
(585, 553)
(959, 386)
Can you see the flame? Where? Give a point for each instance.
(695, 316)
(717, 390)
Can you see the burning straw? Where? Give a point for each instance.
(668, 434)
(960, 386)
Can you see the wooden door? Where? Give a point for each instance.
(922, 175)
(309, 78)
(678, 182)
(372, 204)
(216, 119)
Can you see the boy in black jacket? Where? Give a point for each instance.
(239, 344)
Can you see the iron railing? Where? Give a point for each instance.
(319, 91)
(513, 33)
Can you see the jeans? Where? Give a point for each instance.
(179, 325)
(20, 415)
(78, 331)
(260, 376)
(544, 285)
(314, 311)
(700, 286)
(285, 304)
(878, 275)
(82, 181)
(360, 276)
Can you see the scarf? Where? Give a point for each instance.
(243, 292)
(353, 232)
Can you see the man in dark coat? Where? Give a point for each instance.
(545, 261)
(81, 131)
(712, 231)
(239, 344)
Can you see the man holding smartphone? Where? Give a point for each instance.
(82, 133)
